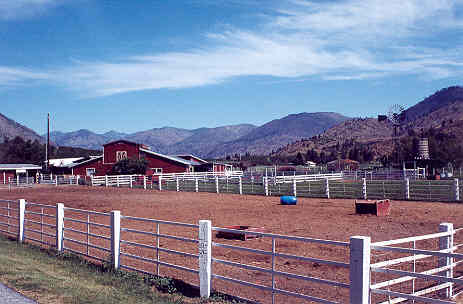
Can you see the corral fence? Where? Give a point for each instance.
(18, 182)
(424, 269)
(316, 185)
(386, 174)
(54, 179)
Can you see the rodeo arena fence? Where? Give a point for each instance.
(333, 185)
(420, 269)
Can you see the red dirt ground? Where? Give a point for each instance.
(315, 218)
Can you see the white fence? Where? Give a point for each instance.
(127, 242)
(59, 179)
(318, 185)
(387, 174)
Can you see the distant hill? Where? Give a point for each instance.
(279, 132)
(442, 112)
(10, 129)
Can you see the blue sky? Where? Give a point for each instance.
(135, 65)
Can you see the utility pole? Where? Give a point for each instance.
(47, 162)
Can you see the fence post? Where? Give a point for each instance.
(196, 185)
(21, 211)
(160, 182)
(327, 188)
(77, 180)
(115, 237)
(294, 187)
(456, 187)
(241, 185)
(364, 188)
(106, 180)
(144, 182)
(265, 180)
(177, 185)
(56, 180)
(217, 184)
(359, 270)
(407, 188)
(59, 226)
(17, 180)
(205, 257)
(446, 242)
(117, 181)
(131, 183)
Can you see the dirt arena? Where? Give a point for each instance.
(315, 218)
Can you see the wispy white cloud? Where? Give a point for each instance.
(14, 9)
(344, 40)
(19, 76)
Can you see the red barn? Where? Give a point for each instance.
(157, 162)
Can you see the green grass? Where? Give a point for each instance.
(49, 277)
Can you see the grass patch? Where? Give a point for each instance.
(53, 278)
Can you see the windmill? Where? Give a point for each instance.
(396, 116)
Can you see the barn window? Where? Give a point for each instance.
(157, 170)
(120, 155)
(90, 171)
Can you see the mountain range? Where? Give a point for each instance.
(287, 136)
(213, 142)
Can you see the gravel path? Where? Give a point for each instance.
(9, 296)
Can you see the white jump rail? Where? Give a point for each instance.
(273, 272)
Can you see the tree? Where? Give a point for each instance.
(130, 166)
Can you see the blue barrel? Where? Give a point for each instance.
(288, 200)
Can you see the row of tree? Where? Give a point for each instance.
(19, 151)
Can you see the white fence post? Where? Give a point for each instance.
(456, 188)
(294, 187)
(144, 182)
(327, 188)
(115, 238)
(56, 181)
(359, 270)
(177, 185)
(131, 182)
(160, 182)
(446, 242)
(217, 184)
(106, 180)
(117, 181)
(364, 188)
(240, 185)
(407, 188)
(21, 211)
(17, 180)
(205, 257)
(266, 185)
(59, 226)
(196, 185)
(77, 180)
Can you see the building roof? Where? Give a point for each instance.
(120, 140)
(64, 162)
(84, 161)
(19, 167)
(192, 156)
(173, 158)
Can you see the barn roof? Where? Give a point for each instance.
(121, 140)
(92, 158)
(173, 158)
(192, 156)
